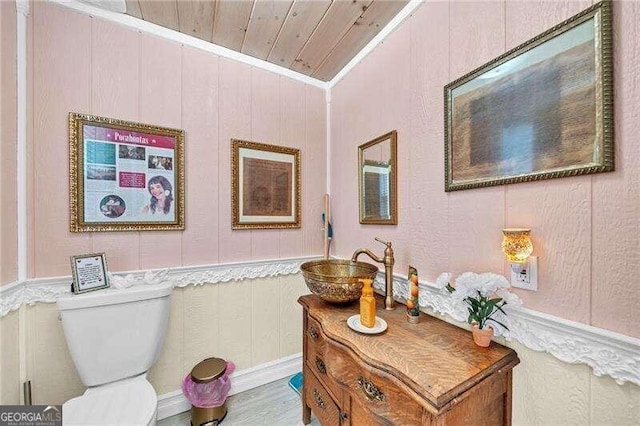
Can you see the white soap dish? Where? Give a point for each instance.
(354, 323)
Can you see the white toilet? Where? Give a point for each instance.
(114, 337)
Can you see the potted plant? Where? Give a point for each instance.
(483, 297)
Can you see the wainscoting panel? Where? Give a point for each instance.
(250, 322)
(247, 313)
(10, 359)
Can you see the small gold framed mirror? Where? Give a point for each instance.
(377, 180)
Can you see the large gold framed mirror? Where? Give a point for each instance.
(377, 180)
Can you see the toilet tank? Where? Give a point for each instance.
(113, 334)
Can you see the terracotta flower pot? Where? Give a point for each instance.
(482, 336)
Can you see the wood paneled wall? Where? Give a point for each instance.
(547, 391)
(249, 322)
(87, 65)
(8, 147)
(10, 388)
(585, 230)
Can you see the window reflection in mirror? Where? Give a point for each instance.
(377, 180)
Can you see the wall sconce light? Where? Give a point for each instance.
(517, 246)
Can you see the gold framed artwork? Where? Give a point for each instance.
(542, 110)
(125, 176)
(89, 272)
(265, 186)
(377, 180)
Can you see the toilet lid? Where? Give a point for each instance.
(130, 403)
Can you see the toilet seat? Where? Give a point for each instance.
(128, 402)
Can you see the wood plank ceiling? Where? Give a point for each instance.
(314, 37)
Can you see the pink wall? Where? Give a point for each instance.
(87, 65)
(8, 126)
(586, 230)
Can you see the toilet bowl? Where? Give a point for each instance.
(127, 402)
(114, 336)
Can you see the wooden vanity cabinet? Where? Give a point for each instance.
(430, 373)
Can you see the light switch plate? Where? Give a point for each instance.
(527, 279)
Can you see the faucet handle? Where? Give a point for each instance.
(388, 244)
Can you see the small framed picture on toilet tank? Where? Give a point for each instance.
(89, 272)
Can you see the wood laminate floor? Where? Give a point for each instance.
(269, 405)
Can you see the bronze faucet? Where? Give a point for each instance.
(388, 261)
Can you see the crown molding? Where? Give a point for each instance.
(378, 39)
(118, 6)
(114, 11)
(88, 8)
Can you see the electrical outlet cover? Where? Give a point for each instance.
(528, 281)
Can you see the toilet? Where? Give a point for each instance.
(114, 337)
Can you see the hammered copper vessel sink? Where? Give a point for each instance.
(337, 281)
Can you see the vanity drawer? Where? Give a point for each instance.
(374, 396)
(314, 336)
(316, 358)
(321, 403)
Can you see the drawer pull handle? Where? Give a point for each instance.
(320, 366)
(319, 402)
(370, 390)
(313, 333)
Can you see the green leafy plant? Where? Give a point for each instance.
(481, 309)
(482, 296)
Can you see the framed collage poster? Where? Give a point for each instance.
(125, 176)
(265, 186)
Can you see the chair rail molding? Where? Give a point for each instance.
(47, 290)
(606, 352)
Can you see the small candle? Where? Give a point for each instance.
(413, 310)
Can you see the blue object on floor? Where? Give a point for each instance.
(296, 382)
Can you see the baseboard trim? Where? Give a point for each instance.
(172, 403)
